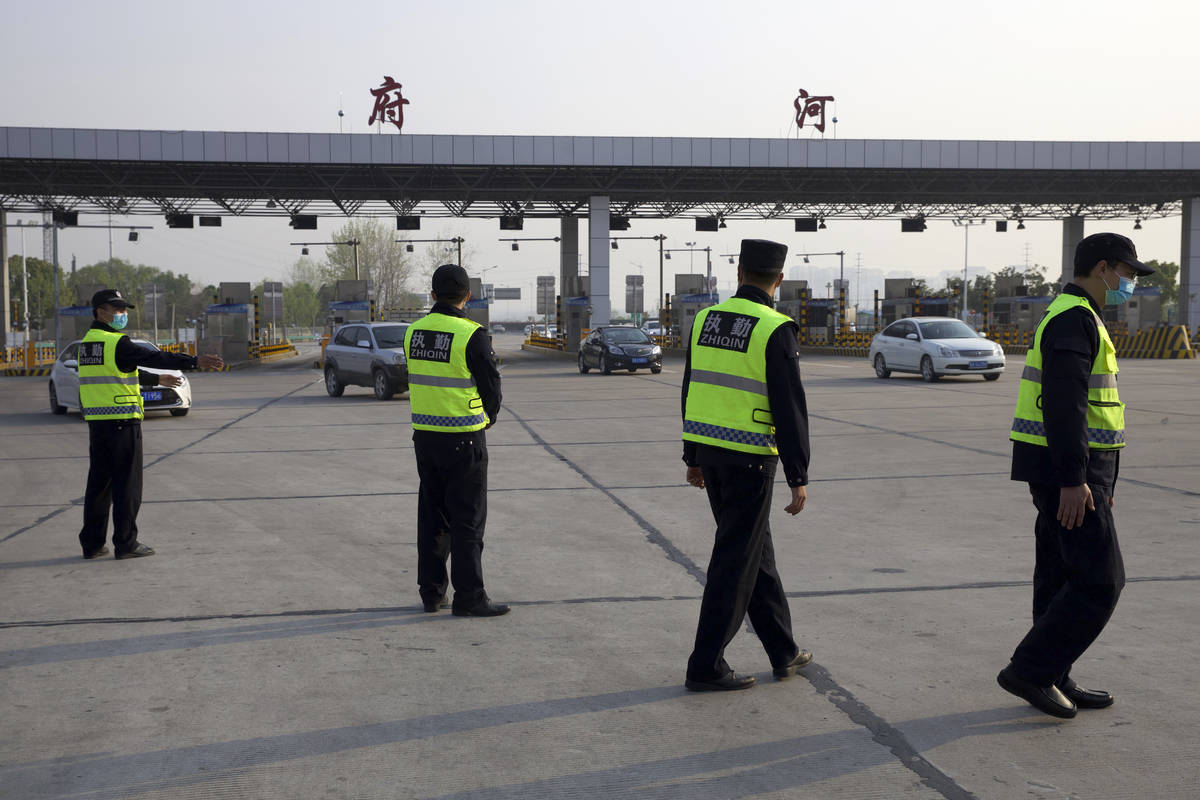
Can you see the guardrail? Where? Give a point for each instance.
(549, 342)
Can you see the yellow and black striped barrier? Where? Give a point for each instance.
(25, 372)
(1165, 342)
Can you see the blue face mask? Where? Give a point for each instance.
(1120, 295)
(119, 321)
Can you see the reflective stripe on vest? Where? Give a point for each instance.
(442, 391)
(1106, 412)
(104, 391)
(727, 404)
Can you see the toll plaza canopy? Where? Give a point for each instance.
(604, 177)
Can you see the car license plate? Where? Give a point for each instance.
(977, 365)
(640, 360)
(155, 395)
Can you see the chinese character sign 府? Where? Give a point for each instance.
(389, 103)
(807, 106)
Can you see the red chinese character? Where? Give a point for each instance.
(811, 107)
(388, 108)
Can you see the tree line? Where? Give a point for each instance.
(399, 278)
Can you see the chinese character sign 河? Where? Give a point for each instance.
(807, 106)
(389, 103)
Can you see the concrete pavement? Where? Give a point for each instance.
(275, 647)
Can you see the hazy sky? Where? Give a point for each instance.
(1055, 70)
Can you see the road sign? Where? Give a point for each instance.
(545, 294)
(634, 294)
(502, 293)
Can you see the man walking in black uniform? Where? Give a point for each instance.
(111, 401)
(454, 390)
(1068, 431)
(744, 412)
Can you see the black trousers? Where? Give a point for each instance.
(114, 481)
(1078, 576)
(451, 513)
(741, 573)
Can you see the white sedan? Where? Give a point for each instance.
(933, 347)
(64, 385)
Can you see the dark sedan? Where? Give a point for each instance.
(619, 347)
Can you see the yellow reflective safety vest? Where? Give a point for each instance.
(1106, 412)
(441, 389)
(727, 403)
(106, 392)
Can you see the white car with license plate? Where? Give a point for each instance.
(64, 385)
(934, 347)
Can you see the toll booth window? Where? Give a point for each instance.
(345, 336)
(389, 335)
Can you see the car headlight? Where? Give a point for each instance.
(948, 352)
(398, 358)
(656, 351)
(616, 351)
(997, 350)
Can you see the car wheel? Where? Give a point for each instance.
(333, 386)
(383, 389)
(881, 370)
(55, 408)
(995, 376)
(583, 368)
(179, 412)
(655, 370)
(927, 370)
(604, 370)
(632, 370)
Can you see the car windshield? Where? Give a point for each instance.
(390, 335)
(146, 343)
(626, 336)
(947, 329)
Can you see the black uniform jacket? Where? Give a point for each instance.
(481, 362)
(785, 393)
(1070, 343)
(131, 355)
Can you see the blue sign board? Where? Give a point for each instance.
(227, 308)
(349, 305)
(75, 311)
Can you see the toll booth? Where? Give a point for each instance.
(1020, 313)
(1144, 309)
(793, 300)
(576, 311)
(477, 307)
(229, 323)
(352, 302)
(691, 297)
(900, 298)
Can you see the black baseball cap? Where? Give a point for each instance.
(1111, 247)
(762, 255)
(450, 280)
(110, 297)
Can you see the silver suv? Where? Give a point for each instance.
(367, 354)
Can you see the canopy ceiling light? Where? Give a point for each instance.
(614, 244)
(133, 236)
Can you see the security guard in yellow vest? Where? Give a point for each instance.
(111, 400)
(1067, 432)
(743, 413)
(454, 389)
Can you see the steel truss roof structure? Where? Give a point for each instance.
(267, 174)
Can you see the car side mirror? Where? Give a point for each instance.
(71, 363)
(912, 336)
(364, 343)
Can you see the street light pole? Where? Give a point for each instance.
(966, 224)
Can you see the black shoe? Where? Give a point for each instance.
(141, 551)
(103, 551)
(1085, 698)
(1044, 698)
(728, 682)
(436, 604)
(485, 608)
(802, 660)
